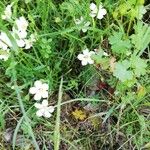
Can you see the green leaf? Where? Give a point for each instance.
(141, 38)
(121, 71)
(139, 66)
(118, 44)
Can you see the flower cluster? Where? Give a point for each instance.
(40, 90)
(18, 32)
(85, 58)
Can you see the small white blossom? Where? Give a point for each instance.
(22, 24)
(7, 13)
(40, 90)
(85, 24)
(43, 109)
(86, 57)
(97, 12)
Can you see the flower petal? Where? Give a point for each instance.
(51, 109)
(101, 13)
(84, 62)
(47, 114)
(90, 61)
(45, 86)
(38, 83)
(86, 51)
(80, 56)
(44, 94)
(39, 113)
(93, 6)
(20, 43)
(33, 90)
(45, 103)
(38, 105)
(37, 96)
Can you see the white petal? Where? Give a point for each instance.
(80, 56)
(20, 43)
(38, 83)
(44, 94)
(93, 6)
(45, 103)
(45, 86)
(84, 62)
(92, 14)
(91, 53)
(37, 96)
(38, 105)
(39, 113)
(51, 109)
(101, 13)
(22, 34)
(47, 114)
(33, 90)
(86, 52)
(22, 24)
(28, 44)
(90, 61)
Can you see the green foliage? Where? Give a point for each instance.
(119, 44)
(121, 71)
(141, 37)
(139, 65)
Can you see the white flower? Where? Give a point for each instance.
(7, 13)
(40, 90)
(22, 24)
(95, 12)
(86, 57)
(43, 109)
(85, 24)
(4, 41)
